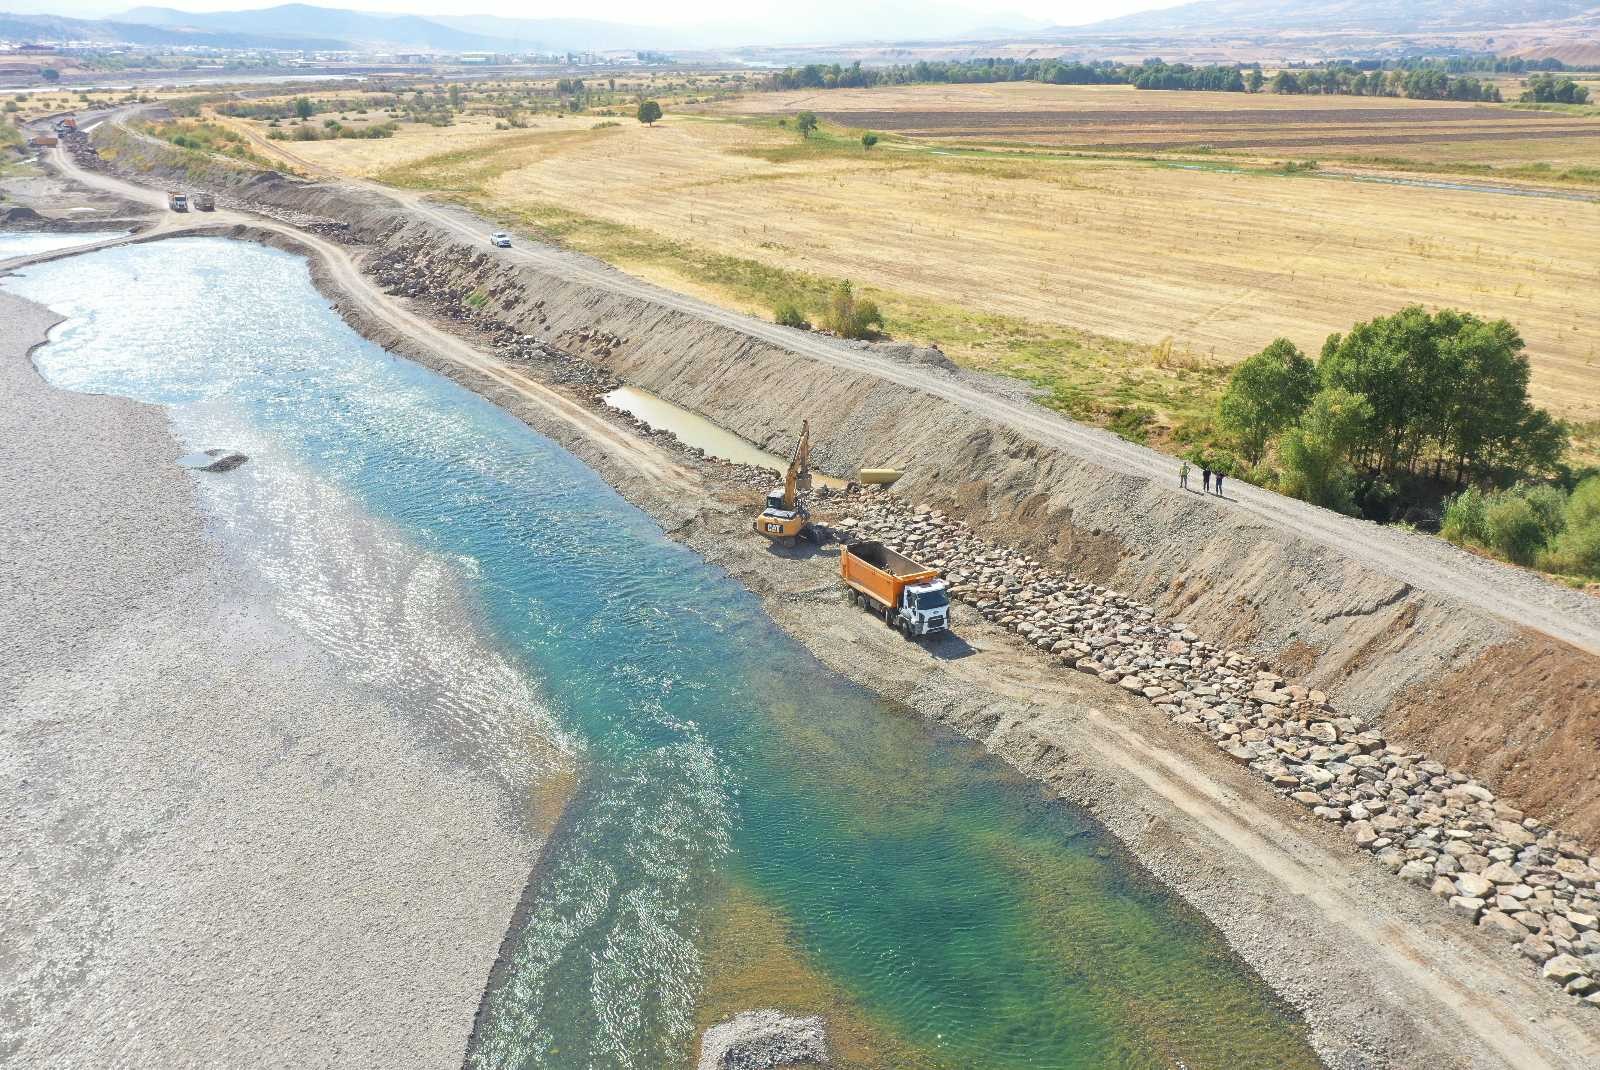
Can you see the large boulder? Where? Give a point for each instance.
(757, 1040)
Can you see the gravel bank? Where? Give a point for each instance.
(218, 851)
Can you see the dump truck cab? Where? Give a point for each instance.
(925, 608)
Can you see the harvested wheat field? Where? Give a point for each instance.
(1120, 118)
(1071, 272)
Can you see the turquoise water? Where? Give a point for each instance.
(959, 917)
(28, 243)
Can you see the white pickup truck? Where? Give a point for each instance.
(500, 240)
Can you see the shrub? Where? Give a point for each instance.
(788, 314)
(1464, 519)
(1513, 529)
(848, 317)
(1132, 422)
(1549, 504)
(1577, 549)
(868, 140)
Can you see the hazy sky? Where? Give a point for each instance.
(1063, 12)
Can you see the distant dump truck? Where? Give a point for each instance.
(908, 596)
(178, 201)
(69, 123)
(205, 202)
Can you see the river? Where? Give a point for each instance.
(747, 829)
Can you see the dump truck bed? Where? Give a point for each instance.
(880, 573)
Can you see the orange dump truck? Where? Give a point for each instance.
(905, 594)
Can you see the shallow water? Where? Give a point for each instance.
(691, 428)
(33, 242)
(695, 430)
(958, 916)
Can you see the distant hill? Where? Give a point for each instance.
(1391, 16)
(819, 21)
(354, 28)
(31, 28)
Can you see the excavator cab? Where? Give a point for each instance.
(784, 519)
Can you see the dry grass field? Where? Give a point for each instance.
(1116, 283)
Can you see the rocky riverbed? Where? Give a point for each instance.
(1499, 868)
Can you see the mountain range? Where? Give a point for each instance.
(304, 26)
(308, 26)
(1391, 16)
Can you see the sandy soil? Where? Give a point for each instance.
(218, 849)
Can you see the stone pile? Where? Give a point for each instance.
(1497, 867)
(764, 1040)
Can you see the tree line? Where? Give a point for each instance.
(1548, 89)
(1151, 74)
(1392, 414)
(1419, 79)
(1419, 83)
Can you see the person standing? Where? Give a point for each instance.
(1183, 475)
(1205, 479)
(1219, 484)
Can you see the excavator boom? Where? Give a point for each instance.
(783, 519)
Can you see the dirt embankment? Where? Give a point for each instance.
(1416, 660)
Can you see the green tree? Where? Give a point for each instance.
(649, 112)
(303, 108)
(805, 122)
(1267, 394)
(1316, 451)
(50, 74)
(1254, 79)
(868, 140)
(455, 96)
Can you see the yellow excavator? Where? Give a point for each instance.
(784, 519)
